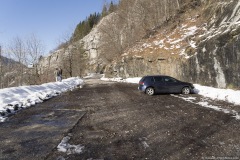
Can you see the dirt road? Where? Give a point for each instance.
(116, 121)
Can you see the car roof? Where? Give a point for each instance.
(156, 76)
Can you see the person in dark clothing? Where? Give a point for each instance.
(58, 74)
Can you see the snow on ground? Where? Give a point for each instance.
(16, 98)
(64, 146)
(205, 103)
(228, 95)
(128, 80)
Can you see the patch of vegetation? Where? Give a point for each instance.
(84, 27)
(232, 86)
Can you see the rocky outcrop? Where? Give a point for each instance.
(47, 65)
(217, 62)
(202, 49)
(76, 59)
(200, 44)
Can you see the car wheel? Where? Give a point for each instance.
(150, 91)
(186, 90)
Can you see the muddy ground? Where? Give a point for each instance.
(115, 121)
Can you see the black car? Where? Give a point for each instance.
(163, 84)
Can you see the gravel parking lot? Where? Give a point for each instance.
(107, 120)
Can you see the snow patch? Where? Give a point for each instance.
(64, 146)
(119, 79)
(204, 50)
(144, 143)
(220, 74)
(207, 105)
(228, 95)
(235, 14)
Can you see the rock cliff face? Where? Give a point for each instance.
(86, 51)
(203, 48)
(217, 62)
(199, 44)
(47, 65)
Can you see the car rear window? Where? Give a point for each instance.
(142, 79)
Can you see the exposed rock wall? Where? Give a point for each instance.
(47, 65)
(200, 45)
(84, 51)
(212, 54)
(140, 66)
(217, 62)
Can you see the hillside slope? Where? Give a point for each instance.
(201, 45)
(197, 42)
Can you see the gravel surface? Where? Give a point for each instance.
(116, 121)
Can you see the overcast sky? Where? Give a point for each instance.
(49, 20)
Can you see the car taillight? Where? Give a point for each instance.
(141, 83)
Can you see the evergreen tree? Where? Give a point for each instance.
(104, 10)
(112, 7)
(84, 27)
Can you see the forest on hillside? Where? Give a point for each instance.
(84, 27)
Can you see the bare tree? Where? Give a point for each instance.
(80, 59)
(18, 51)
(35, 49)
(178, 4)
(73, 60)
(67, 61)
(111, 43)
(132, 21)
